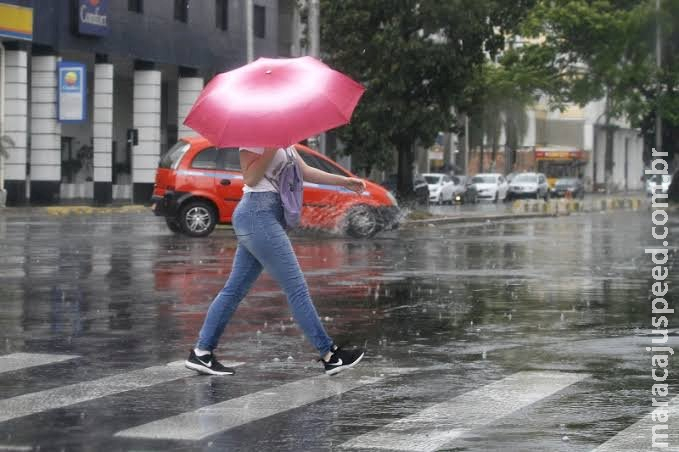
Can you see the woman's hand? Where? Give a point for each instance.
(354, 184)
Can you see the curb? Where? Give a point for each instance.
(526, 209)
(76, 210)
(567, 206)
(475, 219)
(89, 210)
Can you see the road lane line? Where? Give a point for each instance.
(18, 361)
(63, 396)
(438, 425)
(639, 436)
(209, 420)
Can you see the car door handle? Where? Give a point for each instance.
(225, 182)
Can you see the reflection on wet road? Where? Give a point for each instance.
(525, 335)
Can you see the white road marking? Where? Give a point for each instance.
(37, 402)
(639, 436)
(18, 361)
(438, 425)
(199, 424)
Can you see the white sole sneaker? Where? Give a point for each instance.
(204, 370)
(344, 367)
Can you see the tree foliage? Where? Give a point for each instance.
(416, 59)
(607, 48)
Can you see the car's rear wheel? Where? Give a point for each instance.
(197, 218)
(173, 225)
(361, 222)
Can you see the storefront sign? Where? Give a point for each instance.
(16, 22)
(93, 17)
(71, 103)
(560, 155)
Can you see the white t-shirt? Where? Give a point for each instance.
(272, 171)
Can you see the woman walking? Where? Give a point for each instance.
(263, 244)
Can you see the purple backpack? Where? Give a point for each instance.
(290, 185)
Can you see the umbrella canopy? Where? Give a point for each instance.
(273, 102)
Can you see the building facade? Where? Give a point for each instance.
(96, 90)
(569, 143)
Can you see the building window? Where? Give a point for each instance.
(260, 21)
(181, 10)
(136, 6)
(222, 14)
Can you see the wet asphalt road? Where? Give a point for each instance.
(525, 335)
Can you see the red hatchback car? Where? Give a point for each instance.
(199, 185)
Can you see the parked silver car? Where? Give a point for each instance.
(529, 185)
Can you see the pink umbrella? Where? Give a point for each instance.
(273, 102)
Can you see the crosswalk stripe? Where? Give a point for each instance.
(36, 402)
(18, 361)
(639, 436)
(220, 417)
(438, 425)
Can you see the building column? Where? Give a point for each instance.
(102, 134)
(45, 131)
(188, 90)
(146, 119)
(16, 124)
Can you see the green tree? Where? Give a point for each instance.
(415, 57)
(606, 48)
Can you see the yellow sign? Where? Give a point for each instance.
(16, 22)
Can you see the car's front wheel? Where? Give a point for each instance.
(361, 222)
(197, 218)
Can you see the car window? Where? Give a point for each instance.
(456, 180)
(205, 159)
(483, 179)
(524, 178)
(229, 159)
(501, 179)
(174, 155)
(542, 179)
(318, 163)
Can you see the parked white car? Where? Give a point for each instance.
(491, 186)
(441, 187)
(663, 181)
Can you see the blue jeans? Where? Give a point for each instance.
(263, 244)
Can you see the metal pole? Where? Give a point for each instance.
(316, 142)
(249, 30)
(314, 28)
(2, 121)
(658, 63)
(466, 144)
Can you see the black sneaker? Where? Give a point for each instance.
(342, 360)
(207, 364)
